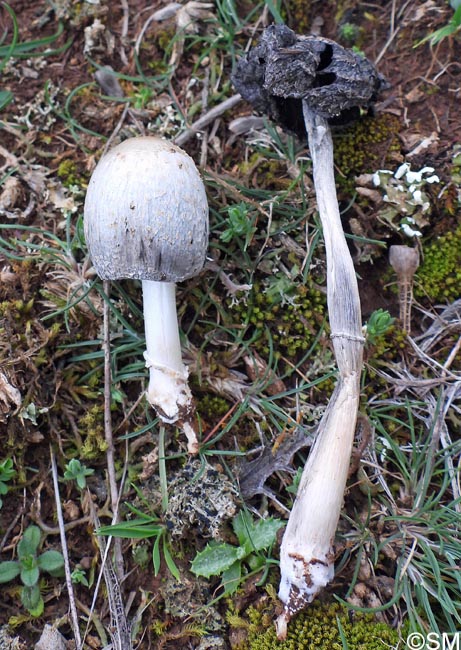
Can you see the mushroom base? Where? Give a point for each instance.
(168, 390)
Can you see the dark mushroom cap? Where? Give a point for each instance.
(146, 213)
(283, 69)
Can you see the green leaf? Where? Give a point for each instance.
(263, 535)
(216, 558)
(30, 576)
(156, 559)
(37, 611)
(76, 471)
(6, 466)
(9, 570)
(32, 600)
(133, 529)
(30, 541)
(243, 526)
(52, 562)
(255, 562)
(170, 562)
(231, 577)
(274, 10)
(6, 97)
(456, 19)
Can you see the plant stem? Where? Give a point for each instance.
(65, 552)
(110, 451)
(306, 554)
(168, 390)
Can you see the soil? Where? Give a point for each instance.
(64, 121)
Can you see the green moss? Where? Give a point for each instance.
(367, 145)
(266, 171)
(213, 406)
(439, 276)
(318, 627)
(68, 173)
(283, 316)
(93, 433)
(298, 14)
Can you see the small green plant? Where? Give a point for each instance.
(228, 560)
(293, 488)
(78, 576)
(349, 32)
(145, 526)
(453, 26)
(76, 471)
(379, 323)
(241, 224)
(6, 474)
(28, 567)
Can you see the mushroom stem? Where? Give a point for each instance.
(405, 261)
(168, 391)
(306, 554)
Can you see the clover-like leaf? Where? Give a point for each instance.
(52, 562)
(9, 570)
(29, 542)
(32, 600)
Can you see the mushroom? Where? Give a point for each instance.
(405, 262)
(146, 218)
(303, 83)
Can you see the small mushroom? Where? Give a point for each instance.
(405, 261)
(146, 218)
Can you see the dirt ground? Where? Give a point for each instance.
(52, 133)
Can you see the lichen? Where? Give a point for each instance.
(439, 276)
(201, 499)
(320, 626)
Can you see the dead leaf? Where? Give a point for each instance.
(9, 395)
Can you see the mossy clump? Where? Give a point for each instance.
(297, 14)
(213, 406)
(439, 276)
(91, 424)
(282, 316)
(321, 626)
(69, 174)
(265, 171)
(367, 145)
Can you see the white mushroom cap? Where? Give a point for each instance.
(146, 213)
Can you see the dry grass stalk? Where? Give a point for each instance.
(62, 532)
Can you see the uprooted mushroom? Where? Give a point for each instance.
(303, 83)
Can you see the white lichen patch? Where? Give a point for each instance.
(201, 500)
(401, 196)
